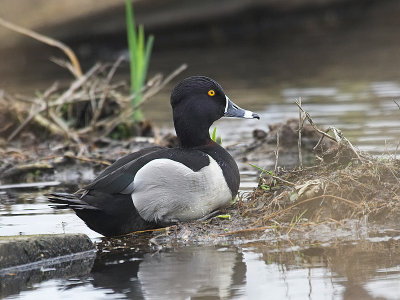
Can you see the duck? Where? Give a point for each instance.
(157, 186)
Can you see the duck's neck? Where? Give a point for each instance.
(192, 135)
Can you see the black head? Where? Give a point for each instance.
(198, 97)
(197, 102)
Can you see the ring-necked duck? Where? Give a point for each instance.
(158, 186)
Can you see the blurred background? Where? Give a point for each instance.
(341, 56)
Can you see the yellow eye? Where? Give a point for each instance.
(211, 93)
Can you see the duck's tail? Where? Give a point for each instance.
(107, 214)
(66, 200)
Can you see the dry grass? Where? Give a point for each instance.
(93, 105)
(346, 187)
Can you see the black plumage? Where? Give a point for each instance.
(106, 204)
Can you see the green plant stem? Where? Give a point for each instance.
(139, 53)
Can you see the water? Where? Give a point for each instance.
(348, 78)
(348, 270)
(367, 115)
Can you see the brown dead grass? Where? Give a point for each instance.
(341, 189)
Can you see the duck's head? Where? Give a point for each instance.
(197, 102)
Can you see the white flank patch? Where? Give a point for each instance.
(168, 191)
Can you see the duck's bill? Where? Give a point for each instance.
(232, 110)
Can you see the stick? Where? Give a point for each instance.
(128, 112)
(47, 40)
(299, 139)
(26, 121)
(277, 151)
(166, 229)
(283, 180)
(61, 100)
(74, 86)
(103, 98)
(64, 126)
(341, 138)
(245, 230)
(310, 120)
(64, 64)
(398, 105)
(161, 85)
(320, 140)
(46, 123)
(86, 159)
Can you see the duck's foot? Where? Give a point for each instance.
(210, 215)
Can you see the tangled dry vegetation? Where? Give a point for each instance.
(329, 192)
(93, 105)
(346, 184)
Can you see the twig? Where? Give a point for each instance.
(19, 97)
(245, 230)
(74, 86)
(343, 140)
(103, 98)
(398, 105)
(151, 92)
(58, 102)
(301, 123)
(60, 123)
(52, 89)
(160, 86)
(339, 137)
(335, 221)
(47, 40)
(163, 229)
(64, 64)
(24, 168)
(310, 120)
(86, 159)
(114, 68)
(320, 140)
(277, 151)
(26, 121)
(283, 180)
(46, 123)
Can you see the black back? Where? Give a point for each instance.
(116, 179)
